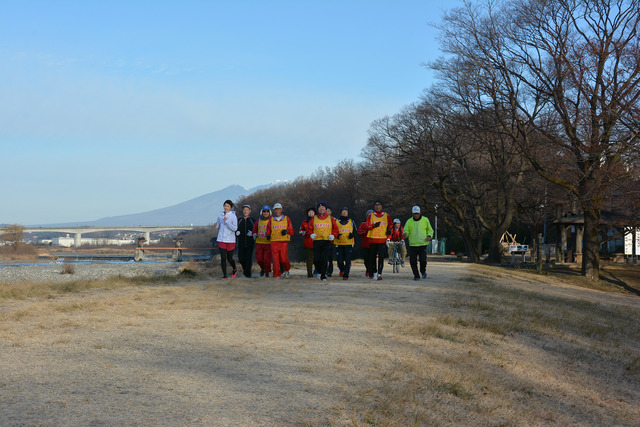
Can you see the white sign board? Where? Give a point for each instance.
(628, 243)
(518, 248)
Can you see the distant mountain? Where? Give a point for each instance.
(265, 186)
(202, 210)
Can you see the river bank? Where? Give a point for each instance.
(38, 271)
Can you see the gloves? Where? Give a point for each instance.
(255, 236)
(313, 236)
(388, 232)
(376, 224)
(388, 241)
(238, 233)
(249, 233)
(302, 233)
(331, 237)
(351, 235)
(285, 232)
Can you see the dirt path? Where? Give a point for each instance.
(242, 352)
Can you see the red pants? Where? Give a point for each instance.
(280, 252)
(263, 256)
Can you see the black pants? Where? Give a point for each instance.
(309, 253)
(225, 256)
(332, 255)
(377, 251)
(321, 252)
(245, 257)
(414, 252)
(365, 258)
(344, 259)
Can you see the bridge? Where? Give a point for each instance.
(78, 231)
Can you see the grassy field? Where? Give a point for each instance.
(473, 345)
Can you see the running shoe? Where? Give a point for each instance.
(235, 273)
(379, 276)
(424, 275)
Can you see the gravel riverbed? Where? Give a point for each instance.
(19, 271)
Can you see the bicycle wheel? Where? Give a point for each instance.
(396, 262)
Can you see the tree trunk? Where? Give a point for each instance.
(495, 250)
(591, 245)
(474, 247)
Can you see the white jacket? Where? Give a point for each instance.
(227, 229)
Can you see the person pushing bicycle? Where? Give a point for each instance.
(396, 240)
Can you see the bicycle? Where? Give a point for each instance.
(394, 260)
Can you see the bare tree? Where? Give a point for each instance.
(568, 70)
(12, 234)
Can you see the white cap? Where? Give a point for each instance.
(277, 206)
(415, 209)
(397, 220)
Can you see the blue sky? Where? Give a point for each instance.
(117, 107)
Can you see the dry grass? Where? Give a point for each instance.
(50, 290)
(18, 252)
(191, 271)
(473, 345)
(619, 278)
(499, 355)
(68, 269)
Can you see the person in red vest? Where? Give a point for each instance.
(263, 241)
(324, 230)
(362, 232)
(308, 241)
(281, 230)
(379, 227)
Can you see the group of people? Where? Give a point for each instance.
(324, 236)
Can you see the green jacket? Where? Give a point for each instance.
(418, 231)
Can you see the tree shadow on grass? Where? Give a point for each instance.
(618, 278)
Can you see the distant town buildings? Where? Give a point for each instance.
(67, 241)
